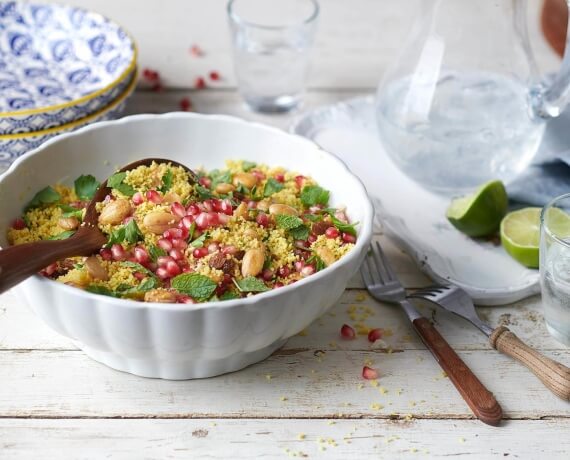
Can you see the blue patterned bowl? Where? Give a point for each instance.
(14, 145)
(58, 64)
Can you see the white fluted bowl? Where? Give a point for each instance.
(176, 341)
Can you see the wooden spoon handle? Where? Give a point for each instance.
(480, 400)
(555, 376)
(22, 261)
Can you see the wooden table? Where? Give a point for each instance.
(308, 399)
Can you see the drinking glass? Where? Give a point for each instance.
(271, 45)
(555, 267)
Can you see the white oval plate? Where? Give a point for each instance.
(411, 215)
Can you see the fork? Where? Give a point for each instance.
(555, 376)
(383, 285)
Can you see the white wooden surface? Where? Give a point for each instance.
(55, 403)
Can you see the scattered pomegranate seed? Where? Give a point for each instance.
(193, 209)
(205, 181)
(50, 269)
(369, 374)
(284, 272)
(141, 255)
(214, 76)
(157, 88)
(176, 254)
(374, 335)
(332, 232)
(259, 175)
(207, 219)
(251, 204)
(173, 268)
(162, 273)
(280, 177)
(185, 104)
(172, 233)
(164, 243)
(139, 276)
(138, 199)
(347, 332)
(196, 51)
(279, 284)
(198, 253)
(18, 224)
(179, 243)
(262, 219)
(151, 75)
(348, 238)
(162, 261)
(106, 254)
(118, 252)
(311, 239)
(186, 222)
(185, 299)
(177, 209)
(299, 265)
(307, 270)
(153, 196)
(299, 181)
(267, 274)
(200, 83)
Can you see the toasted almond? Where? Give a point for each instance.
(160, 296)
(95, 269)
(263, 205)
(278, 208)
(158, 222)
(326, 255)
(252, 263)
(171, 197)
(115, 211)
(68, 223)
(241, 211)
(246, 179)
(224, 188)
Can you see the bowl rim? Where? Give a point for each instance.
(88, 97)
(364, 235)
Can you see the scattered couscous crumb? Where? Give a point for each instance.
(301, 436)
(331, 422)
(376, 406)
(268, 377)
(462, 439)
(283, 398)
(360, 297)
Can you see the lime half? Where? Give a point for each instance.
(479, 214)
(520, 235)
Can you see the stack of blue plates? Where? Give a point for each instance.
(61, 68)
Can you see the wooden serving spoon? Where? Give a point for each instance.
(24, 260)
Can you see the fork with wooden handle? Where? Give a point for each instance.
(555, 376)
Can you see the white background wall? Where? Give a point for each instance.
(356, 38)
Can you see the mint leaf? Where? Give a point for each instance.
(70, 211)
(101, 290)
(251, 284)
(312, 217)
(203, 192)
(45, 196)
(144, 286)
(155, 252)
(116, 182)
(85, 187)
(300, 233)
(132, 232)
(166, 181)
(220, 177)
(116, 236)
(229, 295)
(272, 186)
(62, 235)
(138, 267)
(346, 228)
(197, 286)
(248, 165)
(199, 242)
(287, 222)
(313, 195)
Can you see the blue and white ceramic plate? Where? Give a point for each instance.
(14, 145)
(58, 64)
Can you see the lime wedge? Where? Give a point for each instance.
(520, 235)
(479, 214)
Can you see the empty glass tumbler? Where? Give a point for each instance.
(555, 267)
(272, 40)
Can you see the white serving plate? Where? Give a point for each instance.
(411, 215)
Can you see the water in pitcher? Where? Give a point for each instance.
(455, 132)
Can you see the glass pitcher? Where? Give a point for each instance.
(464, 103)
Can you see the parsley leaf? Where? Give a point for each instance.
(197, 286)
(220, 177)
(248, 165)
(287, 222)
(166, 181)
(62, 235)
(155, 252)
(138, 267)
(300, 233)
(116, 182)
(203, 192)
(101, 290)
(85, 187)
(272, 186)
(45, 196)
(116, 236)
(132, 232)
(70, 211)
(251, 284)
(313, 194)
(346, 228)
(199, 242)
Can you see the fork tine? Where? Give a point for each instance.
(376, 266)
(382, 261)
(373, 271)
(365, 273)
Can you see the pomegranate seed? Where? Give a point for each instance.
(187, 269)
(198, 253)
(332, 233)
(172, 233)
(173, 268)
(179, 243)
(307, 270)
(299, 181)
(280, 177)
(214, 76)
(50, 269)
(196, 51)
(301, 244)
(207, 219)
(18, 224)
(126, 220)
(348, 238)
(315, 209)
(151, 75)
(369, 374)
(162, 273)
(205, 181)
(299, 265)
(185, 104)
(177, 209)
(251, 204)
(278, 284)
(139, 276)
(138, 199)
(374, 335)
(267, 274)
(118, 252)
(176, 254)
(186, 222)
(262, 219)
(153, 196)
(208, 205)
(284, 272)
(199, 83)
(258, 175)
(157, 87)
(193, 209)
(221, 289)
(213, 247)
(165, 244)
(141, 255)
(162, 261)
(185, 299)
(223, 218)
(226, 207)
(229, 250)
(311, 239)
(227, 279)
(106, 254)
(347, 332)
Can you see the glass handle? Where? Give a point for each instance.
(548, 99)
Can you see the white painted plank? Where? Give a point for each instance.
(246, 439)
(314, 385)
(356, 41)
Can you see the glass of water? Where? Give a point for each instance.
(272, 40)
(555, 267)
